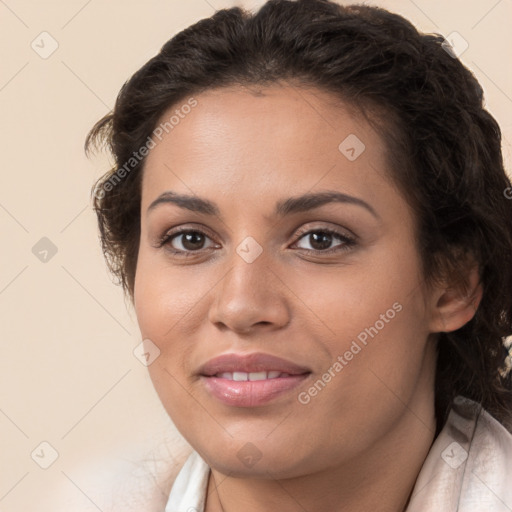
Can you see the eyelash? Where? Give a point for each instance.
(347, 241)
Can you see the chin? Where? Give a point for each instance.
(256, 459)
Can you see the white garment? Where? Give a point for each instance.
(468, 469)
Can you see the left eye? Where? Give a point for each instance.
(321, 240)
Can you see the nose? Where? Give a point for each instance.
(250, 297)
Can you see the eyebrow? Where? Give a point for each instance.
(284, 207)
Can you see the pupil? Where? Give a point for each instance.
(322, 241)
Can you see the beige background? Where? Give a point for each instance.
(68, 375)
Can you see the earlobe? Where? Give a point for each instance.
(456, 306)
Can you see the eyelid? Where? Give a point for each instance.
(338, 230)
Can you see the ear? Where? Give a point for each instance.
(455, 305)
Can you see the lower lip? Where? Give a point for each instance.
(251, 393)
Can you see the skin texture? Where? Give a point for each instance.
(359, 443)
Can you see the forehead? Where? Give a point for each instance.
(265, 138)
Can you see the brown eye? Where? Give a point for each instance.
(185, 241)
(191, 241)
(322, 240)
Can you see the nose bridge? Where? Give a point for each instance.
(249, 293)
(248, 273)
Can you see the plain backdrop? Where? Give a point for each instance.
(73, 396)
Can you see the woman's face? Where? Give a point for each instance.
(294, 244)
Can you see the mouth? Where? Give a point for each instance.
(250, 380)
(254, 364)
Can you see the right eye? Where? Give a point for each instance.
(185, 242)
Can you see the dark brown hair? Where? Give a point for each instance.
(444, 150)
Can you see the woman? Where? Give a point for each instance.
(309, 211)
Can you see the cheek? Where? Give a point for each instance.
(380, 323)
(165, 302)
(344, 301)
(376, 322)
(167, 297)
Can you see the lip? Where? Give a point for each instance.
(250, 393)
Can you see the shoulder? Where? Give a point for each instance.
(489, 466)
(469, 466)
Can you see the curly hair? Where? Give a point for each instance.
(444, 151)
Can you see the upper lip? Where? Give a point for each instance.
(256, 362)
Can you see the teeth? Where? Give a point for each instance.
(244, 376)
(257, 375)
